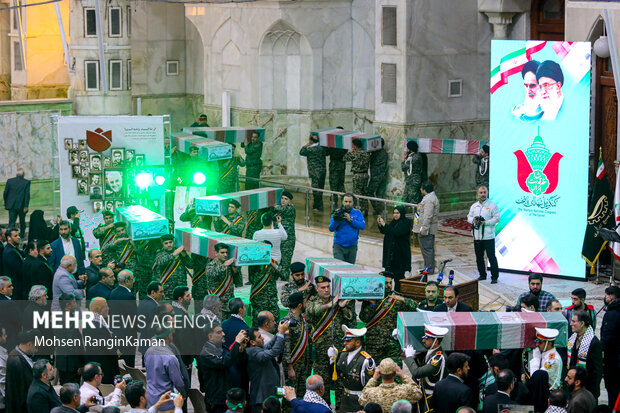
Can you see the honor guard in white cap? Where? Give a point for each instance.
(354, 368)
(429, 367)
(544, 357)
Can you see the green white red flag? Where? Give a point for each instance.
(513, 63)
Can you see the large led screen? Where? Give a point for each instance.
(540, 113)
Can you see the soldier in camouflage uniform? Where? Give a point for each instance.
(232, 223)
(360, 160)
(297, 283)
(253, 161)
(482, 168)
(105, 231)
(121, 249)
(264, 291)
(316, 168)
(170, 267)
(326, 314)
(378, 177)
(336, 171)
(199, 290)
(219, 274)
(297, 355)
(288, 214)
(380, 317)
(412, 166)
(143, 275)
(229, 173)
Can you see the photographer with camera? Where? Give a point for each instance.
(346, 223)
(484, 215)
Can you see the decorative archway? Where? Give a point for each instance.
(547, 20)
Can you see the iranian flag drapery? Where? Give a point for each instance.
(448, 146)
(481, 330)
(513, 63)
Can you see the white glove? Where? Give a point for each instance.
(332, 352)
(395, 334)
(409, 351)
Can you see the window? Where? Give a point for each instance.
(129, 74)
(128, 21)
(388, 82)
(388, 26)
(114, 22)
(90, 22)
(455, 88)
(116, 74)
(172, 67)
(15, 25)
(17, 57)
(91, 73)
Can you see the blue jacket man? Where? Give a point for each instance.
(346, 228)
(59, 250)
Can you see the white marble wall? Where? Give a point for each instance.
(288, 55)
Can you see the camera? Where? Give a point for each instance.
(99, 400)
(280, 391)
(291, 322)
(338, 214)
(479, 221)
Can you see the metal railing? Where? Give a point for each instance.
(308, 190)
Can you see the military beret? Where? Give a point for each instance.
(412, 146)
(386, 273)
(287, 194)
(321, 279)
(234, 202)
(107, 213)
(167, 237)
(297, 267)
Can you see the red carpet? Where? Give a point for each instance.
(453, 225)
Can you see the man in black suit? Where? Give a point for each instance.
(16, 199)
(41, 395)
(92, 271)
(32, 252)
(505, 380)
(101, 333)
(8, 311)
(12, 261)
(19, 371)
(73, 215)
(231, 327)
(123, 304)
(147, 309)
(184, 334)
(70, 399)
(520, 393)
(451, 392)
(69, 359)
(104, 287)
(66, 245)
(451, 302)
(41, 271)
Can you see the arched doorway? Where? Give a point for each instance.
(547, 20)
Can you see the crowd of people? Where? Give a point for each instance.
(298, 347)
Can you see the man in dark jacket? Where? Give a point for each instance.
(42, 397)
(123, 303)
(30, 259)
(41, 271)
(69, 359)
(12, 261)
(104, 287)
(213, 365)
(73, 215)
(147, 309)
(584, 348)
(262, 365)
(451, 302)
(16, 199)
(66, 245)
(610, 340)
(19, 372)
(451, 392)
(92, 271)
(505, 380)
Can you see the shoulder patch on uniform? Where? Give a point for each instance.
(551, 356)
(439, 353)
(434, 361)
(363, 353)
(547, 366)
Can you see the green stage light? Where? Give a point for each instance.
(199, 178)
(144, 180)
(160, 180)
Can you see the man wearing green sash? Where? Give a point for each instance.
(232, 223)
(326, 313)
(171, 265)
(121, 249)
(297, 357)
(219, 275)
(264, 292)
(105, 231)
(380, 317)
